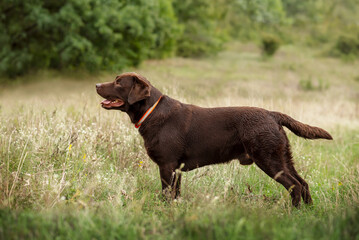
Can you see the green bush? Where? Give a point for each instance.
(200, 22)
(347, 45)
(90, 34)
(269, 45)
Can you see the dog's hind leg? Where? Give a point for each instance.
(305, 190)
(273, 166)
(290, 165)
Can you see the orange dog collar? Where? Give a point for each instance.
(147, 113)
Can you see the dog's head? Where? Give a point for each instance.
(127, 89)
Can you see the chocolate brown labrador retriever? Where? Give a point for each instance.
(184, 136)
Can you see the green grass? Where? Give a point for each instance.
(71, 170)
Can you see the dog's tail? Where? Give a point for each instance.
(300, 129)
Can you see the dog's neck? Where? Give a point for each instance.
(137, 110)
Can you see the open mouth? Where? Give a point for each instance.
(112, 104)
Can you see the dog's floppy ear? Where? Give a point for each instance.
(140, 90)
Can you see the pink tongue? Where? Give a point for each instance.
(106, 101)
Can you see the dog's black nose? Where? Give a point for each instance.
(98, 85)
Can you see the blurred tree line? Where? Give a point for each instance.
(112, 34)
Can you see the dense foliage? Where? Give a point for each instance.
(269, 45)
(347, 46)
(112, 34)
(93, 34)
(200, 20)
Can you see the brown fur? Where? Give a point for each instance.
(178, 135)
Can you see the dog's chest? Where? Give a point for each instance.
(163, 149)
(153, 149)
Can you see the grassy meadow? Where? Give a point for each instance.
(71, 170)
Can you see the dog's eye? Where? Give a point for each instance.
(118, 83)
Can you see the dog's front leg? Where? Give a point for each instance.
(171, 181)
